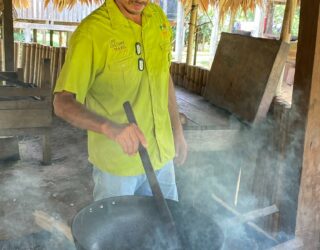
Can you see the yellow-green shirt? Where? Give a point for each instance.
(101, 68)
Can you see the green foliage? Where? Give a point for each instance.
(245, 17)
(278, 19)
(18, 36)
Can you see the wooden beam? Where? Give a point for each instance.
(8, 46)
(192, 29)
(288, 20)
(250, 224)
(307, 96)
(253, 215)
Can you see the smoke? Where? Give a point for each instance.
(27, 186)
(249, 175)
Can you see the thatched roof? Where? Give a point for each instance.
(59, 4)
(20, 3)
(226, 6)
(16, 4)
(63, 4)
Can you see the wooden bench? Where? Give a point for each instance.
(26, 109)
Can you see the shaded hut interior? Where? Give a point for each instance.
(250, 117)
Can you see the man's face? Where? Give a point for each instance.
(132, 7)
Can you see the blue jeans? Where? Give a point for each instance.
(107, 185)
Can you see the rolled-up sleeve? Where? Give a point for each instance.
(78, 71)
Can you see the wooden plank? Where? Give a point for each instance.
(44, 27)
(202, 113)
(253, 215)
(242, 70)
(25, 118)
(274, 78)
(51, 224)
(306, 102)
(211, 140)
(24, 104)
(24, 131)
(250, 224)
(12, 91)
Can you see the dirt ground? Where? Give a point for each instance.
(59, 190)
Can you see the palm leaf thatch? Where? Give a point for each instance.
(16, 4)
(204, 4)
(226, 6)
(62, 4)
(20, 4)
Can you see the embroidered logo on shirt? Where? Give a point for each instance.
(117, 45)
(118, 48)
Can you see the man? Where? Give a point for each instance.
(122, 52)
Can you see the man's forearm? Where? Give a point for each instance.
(78, 115)
(173, 109)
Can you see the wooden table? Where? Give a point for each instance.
(208, 127)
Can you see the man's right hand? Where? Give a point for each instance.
(128, 136)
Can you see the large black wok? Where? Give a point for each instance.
(133, 222)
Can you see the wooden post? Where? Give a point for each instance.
(69, 34)
(7, 30)
(196, 47)
(192, 28)
(60, 39)
(307, 83)
(35, 34)
(51, 37)
(44, 37)
(27, 62)
(287, 20)
(32, 58)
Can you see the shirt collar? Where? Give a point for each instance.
(116, 16)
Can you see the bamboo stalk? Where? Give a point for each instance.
(31, 66)
(23, 60)
(36, 63)
(27, 63)
(290, 9)
(55, 66)
(62, 54)
(192, 28)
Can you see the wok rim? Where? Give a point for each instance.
(96, 203)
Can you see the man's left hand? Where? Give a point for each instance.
(181, 148)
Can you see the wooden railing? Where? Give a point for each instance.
(192, 78)
(29, 56)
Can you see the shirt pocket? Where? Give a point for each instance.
(123, 75)
(120, 65)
